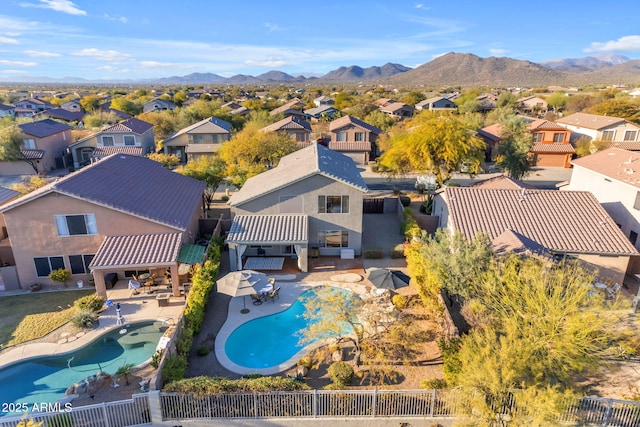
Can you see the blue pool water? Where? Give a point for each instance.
(45, 379)
(271, 340)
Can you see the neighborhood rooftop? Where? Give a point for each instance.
(589, 121)
(616, 163)
(43, 128)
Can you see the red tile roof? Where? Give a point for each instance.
(348, 120)
(590, 121)
(552, 148)
(615, 163)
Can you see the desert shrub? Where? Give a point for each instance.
(399, 301)
(174, 368)
(203, 282)
(334, 386)
(306, 361)
(341, 373)
(89, 302)
(184, 341)
(397, 251)
(433, 384)
(60, 275)
(409, 226)
(204, 386)
(155, 358)
(375, 167)
(84, 318)
(373, 253)
(334, 347)
(449, 350)
(203, 350)
(224, 198)
(405, 200)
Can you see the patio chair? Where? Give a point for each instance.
(614, 290)
(257, 299)
(272, 282)
(274, 294)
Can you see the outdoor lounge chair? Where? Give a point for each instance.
(257, 299)
(614, 290)
(274, 294)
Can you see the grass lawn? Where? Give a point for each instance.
(30, 316)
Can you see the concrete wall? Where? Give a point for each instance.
(16, 168)
(611, 269)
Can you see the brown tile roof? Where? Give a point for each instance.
(350, 146)
(276, 229)
(33, 154)
(348, 120)
(288, 106)
(627, 145)
(615, 163)
(130, 184)
(552, 148)
(142, 250)
(559, 221)
(107, 151)
(502, 182)
(590, 121)
(542, 124)
(291, 122)
(130, 125)
(494, 130)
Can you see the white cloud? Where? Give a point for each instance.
(267, 63)
(156, 64)
(103, 55)
(40, 54)
(110, 69)
(18, 63)
(625, 43)
(65, 6)
(273, 27)
(12, 72)
(498, 52)
(122, 19)
(7, 40)
(422, 6)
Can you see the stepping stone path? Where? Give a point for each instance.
(62, 341)
(70, 339)
(79, 334)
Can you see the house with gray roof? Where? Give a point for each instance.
(321, 112)
(200, 139)
(44, 145)
(7, 110)
(297, 128)
(123, 214)
(437, 103)
(312, 199)
(551, 223)
(158, 104)
(132, 136)
(355, 139)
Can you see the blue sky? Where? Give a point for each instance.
(118, 39)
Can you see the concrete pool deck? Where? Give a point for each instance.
(136, 308)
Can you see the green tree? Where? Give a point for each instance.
(628, 109)
(507, 100)
(124, 371)
(90, 103)
(413, 97)
(169, 161)
(210, 169)
(514, 147)
(557, 101)
(436, 143)
(578, 103)
(11, 141)
(380, 120)
(125, 105)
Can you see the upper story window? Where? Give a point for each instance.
(107, 141)
(29, 144)
(74, 225)
(129, 140)
(558, 137)
(630, 135)
(537, 137)
(608, 135)
(341, 136)
(360, 136)
(333, 204)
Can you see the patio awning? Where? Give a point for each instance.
(191, 254)
(286, 229)
(137, 251)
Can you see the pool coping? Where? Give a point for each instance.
(289, 293)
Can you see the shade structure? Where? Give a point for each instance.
(241, 283)
(383, 278)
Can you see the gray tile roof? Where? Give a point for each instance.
(315, 159)
(138, 250)
(43, 128)
(130, 125)
(223, 127)
(291, 122)
(275, 229)
(131, 184)
(559, 221)
(62, 114)
(348, 120)
(7, 194)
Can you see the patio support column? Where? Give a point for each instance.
(233, 263)
(98, 279)
(175, 280)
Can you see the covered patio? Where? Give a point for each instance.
(282, 236)
(122, 254)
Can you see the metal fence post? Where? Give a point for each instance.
(255, 405)
(314, 403)
(432, 410)
(607, 415)
(374, 402)
(105, 415)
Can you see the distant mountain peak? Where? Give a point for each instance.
(587, 63)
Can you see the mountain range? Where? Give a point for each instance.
(456, 69)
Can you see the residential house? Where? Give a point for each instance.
(551, 143)
(501, 182)
(532, 105)
(600, 128)
(120, 115)
(298, 129)
(323, 100)
(44, 145)
(355, 139)
(200, 139)
(63, 115)
(613, 177)
(35, 105)
(487, 102)
(381, 102)
(7, 110)
(158, 104)
(550, 223)
(123, 215)
(397, 110)
(72, 105)
(295, 107)
(132, 136)
(312, 200)
(8, 279)
(437, 103)
(322, 112)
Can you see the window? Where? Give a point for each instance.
(341, 136)
(73, 225)
(360, 136)
(630, 135)
(46, 264)
(333, 239)
(107, 141)
(29, 144)
(607, 135)
(333, 204)
(558, 137)
(80, 263)
(129, 140)
(633, 237)
(537, 137)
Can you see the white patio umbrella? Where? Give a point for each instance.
(241, 283)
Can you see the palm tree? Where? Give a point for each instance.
(124, 371)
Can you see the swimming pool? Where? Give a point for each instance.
(271, 340)
(45, 379)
